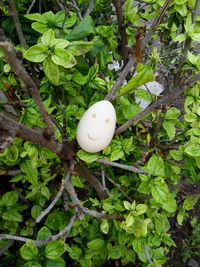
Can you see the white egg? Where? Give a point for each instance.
(96, 128)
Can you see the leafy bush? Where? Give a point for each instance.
(68, 206)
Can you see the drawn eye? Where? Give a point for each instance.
(94, 115)
(107, 120)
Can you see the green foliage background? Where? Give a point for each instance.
(72, 57)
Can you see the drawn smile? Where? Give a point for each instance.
(91, 138)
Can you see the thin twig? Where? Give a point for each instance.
(132, 61)
(89, 9)
(76, 8)
(122, 166)
(62, 233)
(6, 247)
(30, 7)
(14, 14)
(165, 100)
(56, 198)
(16, 64)
(119, 188)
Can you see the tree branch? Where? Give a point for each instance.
(89, 9)
(14, 14)
(16, 65)
(110, 96)
(122, 166)
(56, 198)
(165, 100)
(120, 21)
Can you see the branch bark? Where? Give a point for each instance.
(165, 100)
(11, 57)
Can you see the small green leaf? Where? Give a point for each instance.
(172, 114)
(51, 70)
(162, 224)
(48, 38)
(167, 240)
(36, 16)
(137, 245)
(96, 244)
(29, 251)
(169, 128)
(54, 249)
(142, 77)
(36, 53)
(104, 226)
(61, 57)
(55, 263)
(193, 150)
(129, 220)
(12, 215)
(79, 48)
(87, 157)
(31, 173)
(180, 38)
(189, 202)
(155, 165)
(82, 30)
(141, 209)
(195, 37)
(127, 205)
(170, 205)
(77, 181)
(160, 191)
(35, 211)
(115, 252)
(43, 233)
(9, 199)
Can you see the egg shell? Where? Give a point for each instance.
(96, 128)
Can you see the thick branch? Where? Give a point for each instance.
(120, 21)
(16, 64)
(122, 166)
(165, 100)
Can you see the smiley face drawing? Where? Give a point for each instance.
(96, 128)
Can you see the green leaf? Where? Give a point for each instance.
(36, 53)
(40, 27)
(51, 70)
(127, 205)
(170, 205)
(180, 216)
(9, 199)
(48, 38)
(36, 16)
(79, 48)
(104, 226)
(176, 154)
(160, 191)
(61, 57)
(143, 94)
(189, 202)
(74, 252)
(130, 220)
(82, 30)
(130, 110)
(32, 264)
(43, 233)
(169, 128)
(35, 211)
(54, 249)
(77, 181)
(137, 245)
(193, 150)
(29, 251)
(155, 166)
(60, 43)
(144, 187)
(141, 208)
(56, 220)
(172, 114)
(195, 37)
(96, 244)
(190, 117)
(162, 224)
(87, 157)
(167, 240)
(55, 263)
(143, 227)
(116, 154)
(115, 252)
(12, 215)
(180, 38)
(31, 173)
(142, 77)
